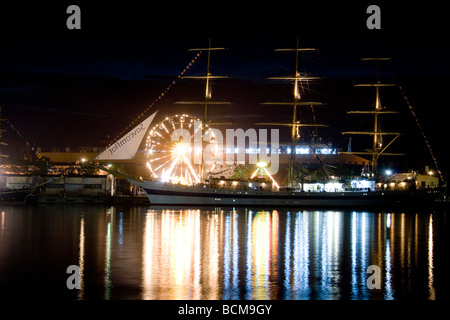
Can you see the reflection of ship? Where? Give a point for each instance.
(251, 254)
(160, 193)
(220, 192)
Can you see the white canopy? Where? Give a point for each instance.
(126, 147)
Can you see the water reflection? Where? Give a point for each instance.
(242, 254)
(238, 253)
(171, 255)
(432, 292)
(359, 255)
(81, 260)
(263, 255)
(296, 285)
(231, 255)
(3, 220)
(108, 244)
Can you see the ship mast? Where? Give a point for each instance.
(295, 125)
(377, 145)
(207, 99)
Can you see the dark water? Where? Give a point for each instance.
(241, 253)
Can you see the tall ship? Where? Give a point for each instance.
(177, 180)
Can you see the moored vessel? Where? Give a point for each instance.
(242, 193)
(160, 193)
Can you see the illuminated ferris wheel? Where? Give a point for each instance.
(172, 160)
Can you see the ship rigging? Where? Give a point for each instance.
(378, 147)
(298, 79)
(202, 192)
(207, 99)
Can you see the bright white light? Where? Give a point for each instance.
(180, 149)
(261, 164)
(171, 161)
(302, 151)
(255, 173)
(273, 180)
(365, 184)
(333, 186)
(388, 172)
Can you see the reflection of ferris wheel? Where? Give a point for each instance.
(173, 161)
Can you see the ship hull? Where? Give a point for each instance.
(169, 194)
(11, 196)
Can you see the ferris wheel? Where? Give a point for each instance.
(172, 160)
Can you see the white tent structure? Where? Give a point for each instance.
(126, 147)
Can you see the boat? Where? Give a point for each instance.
(209, 192)
(25, 194)
(160, 193)
(18, 195)
(15, 195)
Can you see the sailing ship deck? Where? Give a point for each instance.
(170, 194)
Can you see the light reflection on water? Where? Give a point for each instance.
(236, 253)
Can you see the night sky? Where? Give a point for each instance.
(62, 87)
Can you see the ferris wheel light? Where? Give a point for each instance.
(180, 149)
(171, 161)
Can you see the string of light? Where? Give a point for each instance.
(161, 95)
(422, 132)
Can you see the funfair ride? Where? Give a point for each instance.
(177, 180)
